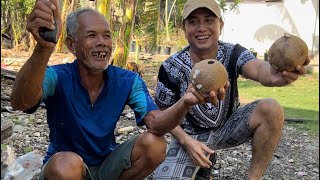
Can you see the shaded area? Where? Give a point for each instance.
(308, 115)
(269, 32)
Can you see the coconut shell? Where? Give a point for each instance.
(287, 52)
(208, 75)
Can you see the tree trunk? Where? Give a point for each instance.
(68, 6)
(104, 7)
(122, 44)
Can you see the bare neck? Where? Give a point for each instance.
(199, 55)
(93, 82)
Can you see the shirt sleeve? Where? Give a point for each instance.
(140, 100)
(49, 83)
(166, 89)
(48, 88)
(244, 57)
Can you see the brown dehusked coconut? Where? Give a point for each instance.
(208, 75)
(287, 52)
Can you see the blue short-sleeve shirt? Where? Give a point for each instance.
(82, 127)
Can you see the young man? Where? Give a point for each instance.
(84, 101)
(209, 127)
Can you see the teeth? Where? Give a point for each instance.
(202, 37)
(99, 54)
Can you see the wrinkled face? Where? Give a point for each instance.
(92, 44)
(202, 29)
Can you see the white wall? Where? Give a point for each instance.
(258, 25)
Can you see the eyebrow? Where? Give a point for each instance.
(94, 31)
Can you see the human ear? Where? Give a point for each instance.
(221, 25)
(70, 44)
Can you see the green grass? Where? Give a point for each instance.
(300, 100)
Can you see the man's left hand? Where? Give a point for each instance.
(286, 77)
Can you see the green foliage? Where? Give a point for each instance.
(28, 149)
(13, 15)
(225, 7)
(14, 19)
(149, 27)
(3, 147)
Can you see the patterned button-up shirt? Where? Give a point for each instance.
(173, 81)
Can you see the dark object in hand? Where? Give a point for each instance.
(49, 35)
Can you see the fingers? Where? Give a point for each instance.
(56, 9)
(227, 85)
(42, 15)
(289, 76)
(43, 10)
(301, 70)
(208, 150)
(203, 159)
(214, 98)
(307, 61)
(198, 97)
(222, 93)
(40, 19)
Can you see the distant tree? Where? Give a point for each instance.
(67, 7)
(13, 21)
(121, 51)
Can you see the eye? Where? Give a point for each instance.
(107, 36)
(193, 21)
(91, 35)
(210, 20)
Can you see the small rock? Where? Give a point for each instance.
(316, 170)
(291, 161)
(301, 173)
(36, 134)
(18, 129)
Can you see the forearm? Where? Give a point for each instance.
(164, 121)
(180, 134)
(264, 77)
(27, 89)
(258, 70)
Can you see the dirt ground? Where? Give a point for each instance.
(297, 155)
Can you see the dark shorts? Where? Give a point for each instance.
(112, 167)
(234, 132)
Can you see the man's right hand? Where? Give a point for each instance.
(44, 14)
(198, 152)
(198, 98)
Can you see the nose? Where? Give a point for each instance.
(101, 40)
(201, 26)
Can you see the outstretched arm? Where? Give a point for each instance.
(27, 89)
(263, 72)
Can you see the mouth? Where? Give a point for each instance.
(100, 54)
(202, 37)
